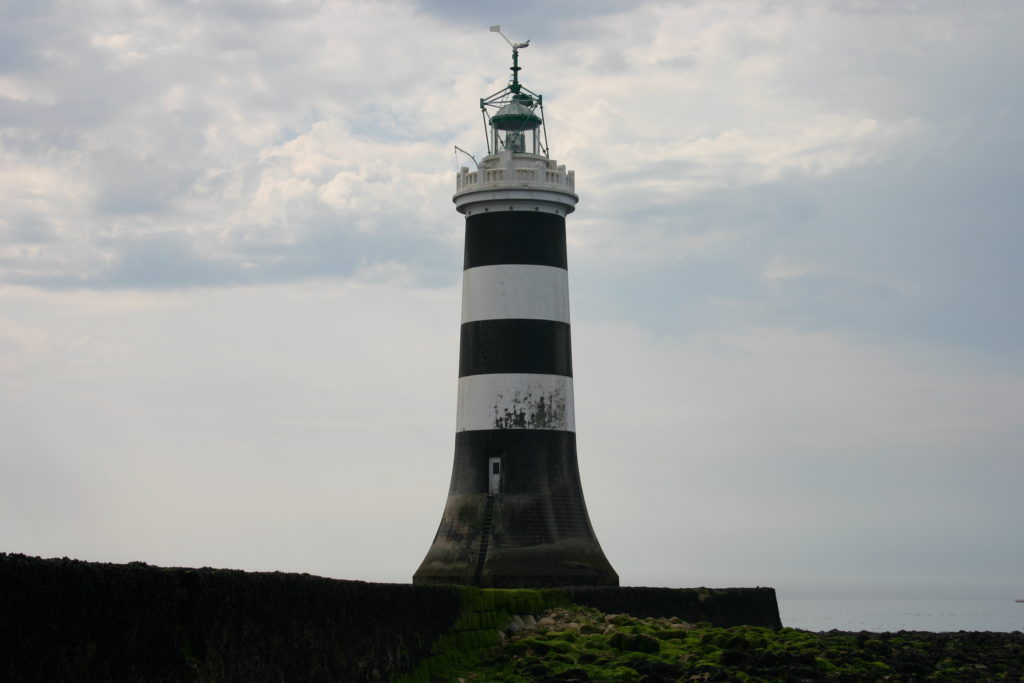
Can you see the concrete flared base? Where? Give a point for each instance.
(532, 542)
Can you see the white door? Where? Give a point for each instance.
(494, 469)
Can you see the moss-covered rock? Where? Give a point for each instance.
(618, 648)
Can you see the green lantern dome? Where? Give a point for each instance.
(517, 115)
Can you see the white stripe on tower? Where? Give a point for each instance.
(515, 401)
(515, 291)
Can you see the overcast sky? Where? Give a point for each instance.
(230, 276)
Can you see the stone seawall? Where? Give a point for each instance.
(67, 620)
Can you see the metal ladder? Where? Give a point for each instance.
(485, 538)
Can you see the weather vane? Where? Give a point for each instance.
(515, 56)
(515, 46)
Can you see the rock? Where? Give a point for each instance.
(568, 676)
(635, 642)
(736, 658)
(672, 634)
(655, 668)
(518, 622)
(529, 621)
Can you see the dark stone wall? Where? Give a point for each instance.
(719, 606)
(65, 620)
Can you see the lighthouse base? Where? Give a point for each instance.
(533, 532)
(456, 558)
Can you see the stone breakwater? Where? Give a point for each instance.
(68, 620)
(65, 620)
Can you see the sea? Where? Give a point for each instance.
(901, 615)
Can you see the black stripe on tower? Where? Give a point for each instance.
(515, 345)
(501, 237)
(534, 459)
(539, 468)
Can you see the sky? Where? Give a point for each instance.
(230, 280)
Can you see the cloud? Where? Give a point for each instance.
(799, 458)
(277, 415)
(530, 20)
(205, 135)
(236, 126)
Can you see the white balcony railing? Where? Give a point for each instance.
(511, 176)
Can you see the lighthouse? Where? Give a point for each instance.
(515, 514)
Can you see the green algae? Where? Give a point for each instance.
(630, 649)
(579, 644)
(486, 612)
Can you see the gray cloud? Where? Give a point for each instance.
(137, 186)
(532, 18)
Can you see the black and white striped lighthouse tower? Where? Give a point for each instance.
(515, 514)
